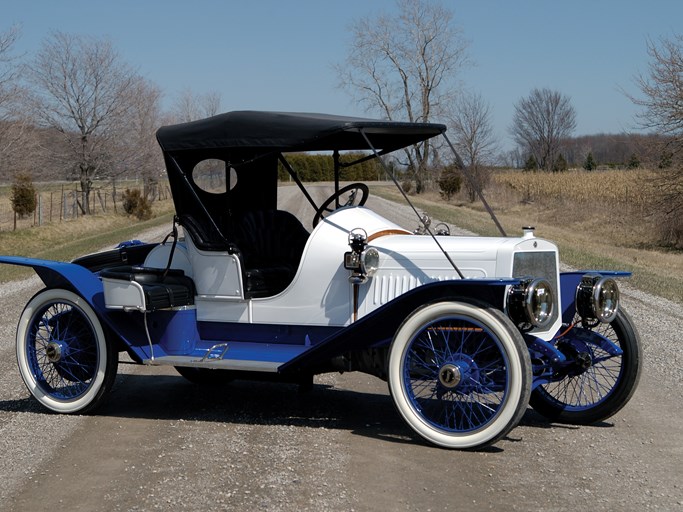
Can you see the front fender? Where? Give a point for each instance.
(377, 329)
(569, 281)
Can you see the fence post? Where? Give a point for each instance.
(102, 203)
(113, 193)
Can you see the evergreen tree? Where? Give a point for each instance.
(560, 164)
(589, 164)
(531, 164)
(633, 162)
(23, 196)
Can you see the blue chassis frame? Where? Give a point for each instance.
(300, 348)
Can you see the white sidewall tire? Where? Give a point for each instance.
(518, 385)
(94, 391)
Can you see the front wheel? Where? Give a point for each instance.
(459, 374)
(63, 355)
(602, 386)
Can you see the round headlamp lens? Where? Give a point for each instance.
(605, 299)
(539, 301)
(369, 260)
(597, 298)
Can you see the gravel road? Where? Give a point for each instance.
(160, 443)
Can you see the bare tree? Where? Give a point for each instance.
(474, 140)
(191, 106)
(13, 138)
(404, 67)
(662, 89)
(83, 89)
(662, 101)
(540, 124)
(135, 146)
(7, 69)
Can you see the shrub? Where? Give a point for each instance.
(23, 196)
(135, 203)
(449, 183)
(671, 231)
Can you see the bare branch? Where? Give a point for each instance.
(405, 68)
(190, 106)
(662, 89)
(541, 122)
(83, 90)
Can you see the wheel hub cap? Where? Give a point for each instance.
(53, 351)
(584, 360)
(450, 376)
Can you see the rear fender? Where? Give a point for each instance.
(57, 274)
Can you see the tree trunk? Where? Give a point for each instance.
(86, 185)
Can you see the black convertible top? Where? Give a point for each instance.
(251, 145)
(288, 131)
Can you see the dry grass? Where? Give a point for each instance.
(64, 241)
(599, 220)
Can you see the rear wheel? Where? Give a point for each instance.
(64, 357)
(459, 374)
(602, 385)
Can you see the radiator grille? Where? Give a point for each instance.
(539, 264)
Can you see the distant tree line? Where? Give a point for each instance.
(601, 151)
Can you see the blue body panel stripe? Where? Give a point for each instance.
(301, 347)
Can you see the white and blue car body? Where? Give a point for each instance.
(467, 331)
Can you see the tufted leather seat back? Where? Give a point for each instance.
(271, 244)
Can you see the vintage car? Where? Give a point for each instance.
(467, 331)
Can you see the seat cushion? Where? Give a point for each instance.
(161, 289)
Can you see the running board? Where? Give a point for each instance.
(216, 364)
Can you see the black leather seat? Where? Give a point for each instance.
(271, 243)
(161, 289)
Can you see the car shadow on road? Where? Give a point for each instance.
(168, 397)
(363, 413)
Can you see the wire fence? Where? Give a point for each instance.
(55, 203)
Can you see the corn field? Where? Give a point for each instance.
(630, 188)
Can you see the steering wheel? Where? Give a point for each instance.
(352, 200)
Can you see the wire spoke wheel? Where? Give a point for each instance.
(63, 355)
(459, 374)
(599, 384)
